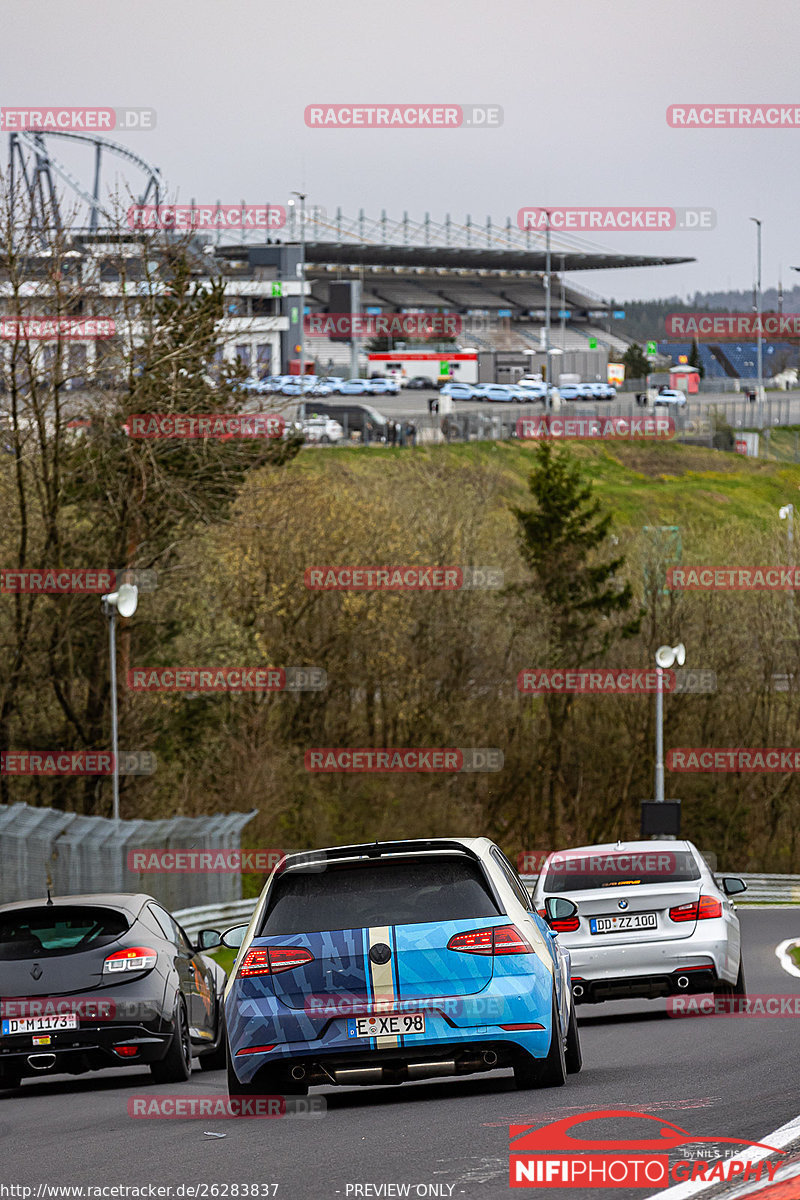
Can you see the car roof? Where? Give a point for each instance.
(612, 847)
(131, 902)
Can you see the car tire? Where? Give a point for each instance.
(176, 1065)
(325, 440)
(216, 1059)
(573, 1055)
(739, 988)
(550, 1071)
(10, 1081)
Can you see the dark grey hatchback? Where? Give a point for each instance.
(111, 980)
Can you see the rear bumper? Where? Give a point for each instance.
(425, 1059)
(651, 969)
(75, 1051)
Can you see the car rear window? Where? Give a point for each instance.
(379, 892)
(577, 872)
(37, 932)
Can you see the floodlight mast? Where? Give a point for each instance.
(124, 601)
(666, 656)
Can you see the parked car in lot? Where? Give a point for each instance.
(321, 429)
(502, 393)
(396, 961)
(650, 920)
(354, 418)
(533, 389)
(458, 391)
(107, 980)
(354, 387)
(383, 387)
(670, 396)
(334, 382)
(569, 391)
(420, 383)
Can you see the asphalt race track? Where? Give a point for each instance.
(730, 1077)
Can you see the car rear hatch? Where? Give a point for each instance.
(619, 905)
(378, 928)
(58, 950)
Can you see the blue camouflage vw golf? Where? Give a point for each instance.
(397, 961)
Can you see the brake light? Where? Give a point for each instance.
(505, 939)
(697, 910)
(136, 958)
(271, 960)
(566, 925)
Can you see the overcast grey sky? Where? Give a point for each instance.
(584, 87)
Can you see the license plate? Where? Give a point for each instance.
(386, 1025)
(15, 1025)
(622, 921)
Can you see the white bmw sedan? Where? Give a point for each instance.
(651, 921)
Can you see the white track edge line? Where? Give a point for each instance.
(779, 1138)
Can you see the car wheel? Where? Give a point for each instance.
(573, 1055)
(217, 1058)
(545, 1072)
(10, 1081)
(176, 1065)
(325, 439)
(740, 987)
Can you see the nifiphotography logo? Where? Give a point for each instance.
(551, 1156)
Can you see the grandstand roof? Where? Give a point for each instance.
(467, 258)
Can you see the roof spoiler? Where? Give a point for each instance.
(317, 859)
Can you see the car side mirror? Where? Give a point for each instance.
(558, 908)
(233, 938)
(207, 939)
(732, 885)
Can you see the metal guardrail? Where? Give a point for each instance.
(761, 889)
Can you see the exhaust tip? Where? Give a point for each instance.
(489, 1057)
(683, 981)
(577, 990)
(41, 1062)
(298, 1072)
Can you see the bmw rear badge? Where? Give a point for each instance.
(623, 903)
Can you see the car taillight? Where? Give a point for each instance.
(136, 958)
(566, 925)
(503, 939)
(271, 960)
(696, 910)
